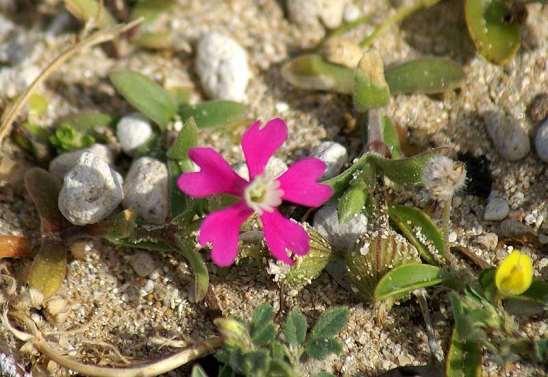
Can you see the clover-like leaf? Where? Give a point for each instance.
(495, 34)
(330, 323)
(420, 230)
(295, 327)
(406, 278)
(145, 95)
(463, 358)
(217, 113)
(314, 73)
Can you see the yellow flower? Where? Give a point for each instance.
(514, 274)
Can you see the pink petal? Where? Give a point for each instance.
(284, 236)
(221, 229)
(260, 143)
(216, 176)
(299, 183)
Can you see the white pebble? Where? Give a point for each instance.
(133, 131)
(221, 64)
(91, 191)
(333, 154)
(541, 140)
(146, 189)
(274, 168)
(351, 12)
(312, 13)
(61, 164)
(508, 135)
(341, 236)
(497, 208)
(282, 107)
(452, 237)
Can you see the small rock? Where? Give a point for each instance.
(511, 228)
(541, 141)
(333, 154)
(351, 12)
(146, 189)
(313, 13)
(452, 237)
(133, 131)
(61, 164)
(142, 264)
(91, 191)
(274, 168)
(221, 64)
(508, 135)
(496, 209)
(341, 236)
(538, 109)
(488, 240)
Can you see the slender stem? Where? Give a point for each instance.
(345, 28)
(401, 13)
(98, 37)
(432, 343)
(445, 226)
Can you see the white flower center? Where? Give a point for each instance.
(263, 194)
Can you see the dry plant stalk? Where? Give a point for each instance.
(100, 36)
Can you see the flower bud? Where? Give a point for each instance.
(235, 333)
(514, 274)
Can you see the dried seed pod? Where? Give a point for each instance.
(374, 255)
(308, 267)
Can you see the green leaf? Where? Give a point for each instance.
(391, 138)
(264, 335)
(157, 40)
(330, 323)
(197, 264)
(49, 267)
(419, 229)
(278, 350)
(145, 95)
(404, 171)
(370, 87)
(151, 9)
(65, 139)
(463, 358)
(178, 201)
(197, 371)
(424, 75)
(256, 363)
(314, 73)
(406, 278)
(352, 201)
(226, 371)
(295, 327)
(262, 316)
(218, 113)
(43, 189)
(496, 38)
(86, 121)
(116, 228)
(319, 348)
(323, 373)
(340, 182)
(280, 368)
(186, 139)
(261, 326)
(86, 10)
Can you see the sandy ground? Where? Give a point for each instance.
(115, 305)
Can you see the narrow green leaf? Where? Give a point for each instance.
(391, 138)
(330, 323)
(325, 374)
(157, 40)
(295, 327)
(419, 229)
(145, 95)
(370, 87)
(424, 75)
(352, 202)
(186, 139)
(405, 171)
(496, 38)
(49, 267)
(178, 201)
(463, 358)
(86, 10)
(151, 9)
(320, 348)
(197, 371)
(43, 189)
(406, 278)
(340, 182)
(217, 113)
(198, 266)
(314, 73)
(86, 121)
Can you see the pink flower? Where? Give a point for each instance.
(261, 195)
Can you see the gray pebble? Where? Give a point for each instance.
(313, 13)
(496, 209)
(488, 240)
(508, 135)
(61, 164)
(142, 264)
(133, 131)
(341, 236)
(146, 189)
(91, 191)
(333, 154)
(221, 64)
(541, 140)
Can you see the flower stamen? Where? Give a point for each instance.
(263, 194)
